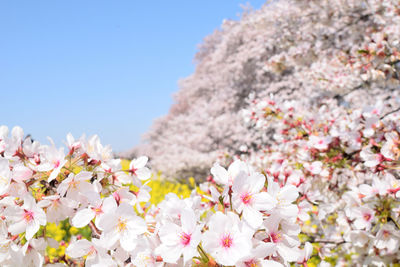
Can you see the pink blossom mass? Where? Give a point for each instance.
(290, 126)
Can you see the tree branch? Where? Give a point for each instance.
(391, 112)
(95, 232)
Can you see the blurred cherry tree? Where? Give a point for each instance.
(343, 53)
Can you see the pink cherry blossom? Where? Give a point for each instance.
(26, 218)
(177, 240)
(226, 240)
(248, 199)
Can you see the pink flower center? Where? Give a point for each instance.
(121, 226)
(185, 239)
(28, 215)
(73, 183)
(246, 198)
(251, 263)
(386, 233)
(98, 210)
(275, 237)
(226, 241)
(133, 170)
(367, 217)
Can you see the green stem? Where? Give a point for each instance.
(202, 253)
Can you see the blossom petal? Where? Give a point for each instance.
(83, 217)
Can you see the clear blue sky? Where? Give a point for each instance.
(99, 67)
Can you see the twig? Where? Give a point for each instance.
(355, 89)
(395, 222)
(324, 241)
(330, 242)
(95, 232)
(391, 112)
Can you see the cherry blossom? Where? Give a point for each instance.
(248, 199)
(226, 240)
(26, 218)
(177, 240)
(290, 126)
(122, 225)
(95, 252)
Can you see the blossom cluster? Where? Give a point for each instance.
(238, 218)
(345, 165)
(312, 176)
(308, 50)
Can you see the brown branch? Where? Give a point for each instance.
(330, 242)
(326, 241)
(95, 232)
(391, 112)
